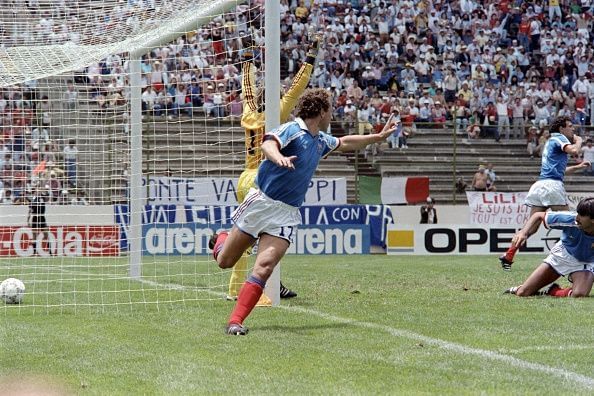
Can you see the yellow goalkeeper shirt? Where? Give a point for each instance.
(254, 121)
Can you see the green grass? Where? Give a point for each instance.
(360, 325)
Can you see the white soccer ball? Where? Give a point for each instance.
(12, 291)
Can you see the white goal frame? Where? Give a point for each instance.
(272, 98)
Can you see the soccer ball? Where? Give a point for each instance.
(12, 291)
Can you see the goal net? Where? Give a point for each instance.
(121, 147)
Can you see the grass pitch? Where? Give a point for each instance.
(360, 325)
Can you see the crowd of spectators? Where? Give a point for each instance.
(29, 155)
(500, 69)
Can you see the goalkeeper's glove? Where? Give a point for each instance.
(312, 50)
(247, 53)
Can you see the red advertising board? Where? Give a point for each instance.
(63, 241)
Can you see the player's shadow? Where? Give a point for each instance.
(303, 328)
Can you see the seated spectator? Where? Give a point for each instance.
(461, 185)
(438, 114)
(473, 131)
(480, 180)
(460, 113)
(149, 102)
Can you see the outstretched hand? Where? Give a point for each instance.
(585, 164)
(390, 127)
(314, 45)
(519, 239)
(286, 162)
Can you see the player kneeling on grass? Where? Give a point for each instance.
(572, 256)
(270, 214)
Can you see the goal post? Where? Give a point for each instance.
(272, 83)
(82, 76)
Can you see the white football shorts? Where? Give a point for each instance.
(546, 193)
(564, 263)
(260, 214)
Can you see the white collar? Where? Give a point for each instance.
(301, 123)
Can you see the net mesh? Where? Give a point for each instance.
(52, 37)
(65, 105)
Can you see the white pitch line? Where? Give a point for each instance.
(560, 348)
(566, 375)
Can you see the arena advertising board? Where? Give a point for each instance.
(462, 239)
(223, 191)
(192, 239)
(64, 240)
(374, 217)
(499, 209)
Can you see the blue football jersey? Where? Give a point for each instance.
(576, 242)
(554, 159)
(286, 185)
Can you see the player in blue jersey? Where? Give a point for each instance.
(549, 192)
(572, 256)
(270, 213)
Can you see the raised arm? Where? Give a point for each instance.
(248, 85)
(300, 82)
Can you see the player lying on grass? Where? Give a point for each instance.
(270, 214)
(572, 256)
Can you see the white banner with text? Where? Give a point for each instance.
(223, 191)
(505, 209)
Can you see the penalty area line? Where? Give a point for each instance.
(566, 375)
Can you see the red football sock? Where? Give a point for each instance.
(219, 244)
(511, 252)
(558, 292)
(246, 301)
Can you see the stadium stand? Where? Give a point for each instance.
(482, 71)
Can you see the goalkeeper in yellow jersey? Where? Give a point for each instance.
(254, 121)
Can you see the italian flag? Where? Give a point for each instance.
(404, 190)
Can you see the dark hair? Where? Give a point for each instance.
(586, 207)
(313, 102)
(558, 123)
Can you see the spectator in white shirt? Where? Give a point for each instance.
(518, 118)
(581, 86)
(70, 154)
(502, 117)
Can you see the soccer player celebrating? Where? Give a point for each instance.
(270, 213)
(254, 122)
(572, 256)
(549, 192)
